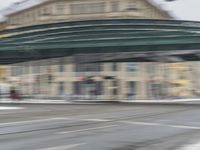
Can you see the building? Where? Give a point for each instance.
(46, 11)
(4, 85)
(2, 25)
(180, 80)
(3, 69)
(3, 73)
(62, 76)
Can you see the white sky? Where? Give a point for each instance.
(182, 9)
(5, 3)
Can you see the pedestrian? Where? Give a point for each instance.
(14, 95)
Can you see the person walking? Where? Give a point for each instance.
(14, 95)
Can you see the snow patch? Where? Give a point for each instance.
(191, 147)
(9, 108)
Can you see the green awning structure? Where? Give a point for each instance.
(114, 36)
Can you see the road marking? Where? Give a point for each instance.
(88, 129)
(10, 108)
(95, 120)
(64, 147)
(84, 119)
(141, 123)
(29, 121)
(50, 119)
(185, 127)
(164, 120)
(160, 124)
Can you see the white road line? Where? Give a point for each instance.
(51, 119)
(141, 123)
(185, 127)
(164, 120)
(84, 119)
(95, 120)
(88, 129)
(64, 147)
(160, 124)
(29, 121)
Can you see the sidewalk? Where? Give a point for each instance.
(44, 101)
(184, 101)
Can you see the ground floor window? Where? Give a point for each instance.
(156, 90)
(61, 88)
(131, 91)
(88, 88)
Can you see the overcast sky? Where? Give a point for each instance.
(5, 3)
(182, 9)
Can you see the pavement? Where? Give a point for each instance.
(194, 101)
(99, 127)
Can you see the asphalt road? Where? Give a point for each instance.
(99, 127)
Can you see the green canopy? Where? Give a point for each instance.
(97, 36)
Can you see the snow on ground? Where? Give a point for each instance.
(9, 108)
(191, 147)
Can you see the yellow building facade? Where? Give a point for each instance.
(180, 81)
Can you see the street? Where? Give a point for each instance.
(99, 127)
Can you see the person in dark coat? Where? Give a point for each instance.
(14, 95)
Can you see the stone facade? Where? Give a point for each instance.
(2, 25)
(68, 10)
(107, 81)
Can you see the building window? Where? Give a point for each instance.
(28, 17)
(114, 66)
(60, 8)
(12, 71)
(115, 83)
(61, 65)
(132, 5)
(45, 11)
(35, 69)
(13, 21)
(85, 88)
(43, 69)
(61, 88)
(16, 71)
(115, 91)
(115, 6)
(151, 69)
(183, 75)
(34, 15)
(131, 88)
(26, 69)
(87, 8)
(132, 66)
(61, 68)
(88, 67)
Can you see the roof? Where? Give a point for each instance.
(26, 4)
(98, 36)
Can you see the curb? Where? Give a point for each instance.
(104, 102)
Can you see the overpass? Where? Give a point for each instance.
(103, 40)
